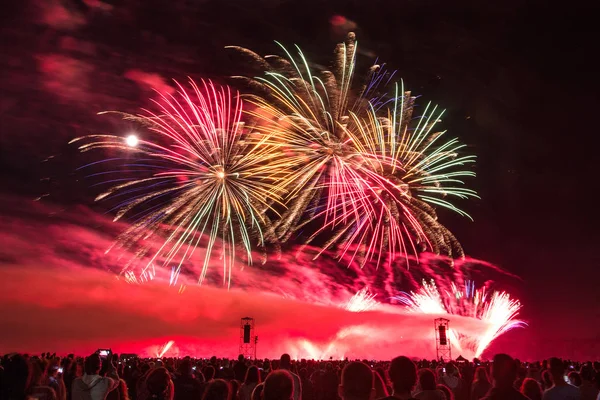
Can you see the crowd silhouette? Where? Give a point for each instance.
(125, 377)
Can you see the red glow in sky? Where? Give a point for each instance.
(56, 280)
(87, 309)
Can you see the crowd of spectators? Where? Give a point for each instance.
(125, 377)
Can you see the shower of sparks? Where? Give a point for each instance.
(362, 301)
(497, 309)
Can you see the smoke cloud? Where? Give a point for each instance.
(62, 292)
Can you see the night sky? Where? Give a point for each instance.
(516, 78)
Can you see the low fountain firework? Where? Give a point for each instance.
(496, 309)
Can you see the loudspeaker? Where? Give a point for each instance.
(442, 331)
(246, 333)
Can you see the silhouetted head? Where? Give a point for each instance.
(327, 384)
(234, 388)
(279, 385)
(159, 384)
(92, 365)
(257, 392)
(185, 367)
(403, 374)
(357, 382)
(531, 389)
(303, 373)
(241, 358)
(557, 369)
(199, 376)
(427, 379)
(504, 370)
(451, 369)
(447, 392)
(252, 375)
(218, 389)
(546, 379)
(67, 364)
(17, 377)
(209, 372)
(380, 386)
(39, 369)
(285, 362)
(586, 372)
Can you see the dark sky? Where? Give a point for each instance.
(516, 77)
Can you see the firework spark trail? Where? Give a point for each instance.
(203, 173)
(362, 301)
(497, 309)
(367, 172)
(500, 312)
(164, 348)
(427, 300)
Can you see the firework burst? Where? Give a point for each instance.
(496, 308)
(199, 175)
(364, 168)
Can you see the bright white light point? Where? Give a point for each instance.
(132, 140)
(220, 174)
